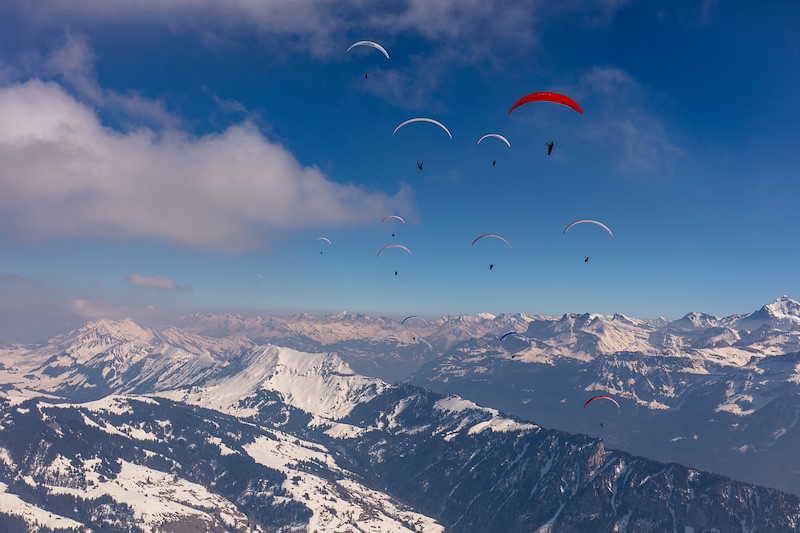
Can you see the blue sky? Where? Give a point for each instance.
(160, 156)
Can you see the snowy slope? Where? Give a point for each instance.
(154, 465)
(320, 384)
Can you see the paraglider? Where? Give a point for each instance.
(496, 136)
(419, 165)
(586, 259)
(591, 222)
(387, 217)
(366, 75)
(601, 398)
(422, 119)
(520, 335)
(372, 44)
(393, 246)
(550, 147)
(547, 97)
(515, 334)
(491, 266)
(414, 317)
(492, 235)
(325, 239)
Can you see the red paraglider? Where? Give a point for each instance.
(600, 398)
(548, 97)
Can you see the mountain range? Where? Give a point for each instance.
(230, 423)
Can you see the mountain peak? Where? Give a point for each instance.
(783, 314)
(700, 320)
(125, 329)
(322, 384)
(783, 306)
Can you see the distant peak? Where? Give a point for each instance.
(124, 329)
(783, 300)
(784, 305)
(695, 316)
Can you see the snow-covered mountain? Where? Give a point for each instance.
(147, 465)
(715, 393)
(373, 346)
(320, 384)
(305, 444)
(117, 356)
(702, 390)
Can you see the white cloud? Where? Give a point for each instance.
(627, 120)
(74, 64)
(476, 27)
(452, 33)
(96, 309)
(65, 174)
(80, 309)
(163, 283)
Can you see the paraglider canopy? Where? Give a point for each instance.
(372, 44)
(393, 246)
(520, 335)
(492, 235)
(496, 136)
(321, 239)
(414, 317)
(601, 398)
(548, 97)
(591, 222)
(423, 119)
(392, 216)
